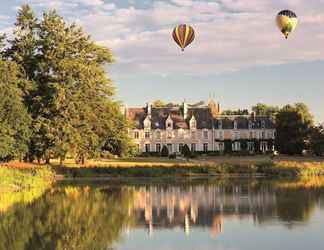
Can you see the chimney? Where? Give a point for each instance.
(123, 109)
(148, 108)
(185, 110)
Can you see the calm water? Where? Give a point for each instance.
(199, 214)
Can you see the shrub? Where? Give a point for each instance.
(165, 151)
(185, 151)
(172, 156)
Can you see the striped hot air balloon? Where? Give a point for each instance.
(183, 35)
(287, 22)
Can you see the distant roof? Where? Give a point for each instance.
(202, 114)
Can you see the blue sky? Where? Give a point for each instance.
(238, 54)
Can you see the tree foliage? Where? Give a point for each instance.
(262, 109)
(236, 112)
(317, 140)
(14, 119)
(65, 88)
(159, 104)
(293, 123)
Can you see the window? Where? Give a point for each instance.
(180, 147)
(270, 135)
(136, 134)
(169, 146)
(263, 135)
(236, 146)
(235, 124)
(205, 147)
(193, 147)
(169, 125)
(250, 146)
(236, 135)
(221, 146)
(147, 147)
(220, 124)
(263, 124)
(221, 135)
(263, 146)
(158, 147)
(158, 135)
(250, 125)
(205, 134)
(147, 135)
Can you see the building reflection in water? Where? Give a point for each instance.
(205, 206)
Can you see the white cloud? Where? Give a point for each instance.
(3, 18)
(182, 2)
(230, 34)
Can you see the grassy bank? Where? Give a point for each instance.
(23, 185)
(155, 167)
(15, 179)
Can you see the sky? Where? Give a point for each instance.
(238, 57)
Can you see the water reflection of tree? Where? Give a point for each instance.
(70, 218)
(79, 217)
(295, 205)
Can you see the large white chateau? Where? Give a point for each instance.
(201, 127)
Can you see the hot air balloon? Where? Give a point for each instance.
(287, 22)
(183, 35)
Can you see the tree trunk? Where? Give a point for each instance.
(61, 161)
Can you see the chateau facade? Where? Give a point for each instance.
(201, 127)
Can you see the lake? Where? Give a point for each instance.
(146, 214)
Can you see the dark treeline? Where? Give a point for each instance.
(55, 97)
(295, 129)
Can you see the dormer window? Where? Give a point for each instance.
(193, 123)
(147, 123)
(169, 123)
(158, 135)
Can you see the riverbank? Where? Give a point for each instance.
(211, 166)
(31, 175)
(18, 179)
(23, 185)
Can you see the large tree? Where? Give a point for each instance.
(293, 123)
(69, 95)
(317, 140)
(14, 119)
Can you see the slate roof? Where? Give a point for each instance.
(202, 115)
